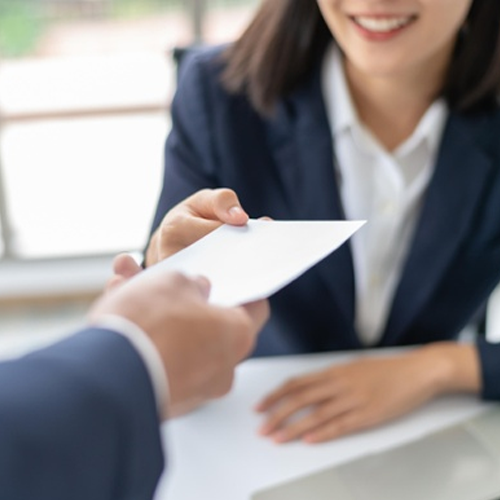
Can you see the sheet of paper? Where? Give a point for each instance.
(216, 453)
(252, 262)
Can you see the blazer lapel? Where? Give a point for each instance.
(460, 177)
(301, 144)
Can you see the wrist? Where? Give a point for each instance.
(453, 367)
(147, 351)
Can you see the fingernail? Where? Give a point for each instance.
(235, 211)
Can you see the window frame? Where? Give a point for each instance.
(197, 11)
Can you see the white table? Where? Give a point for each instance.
(216, 454)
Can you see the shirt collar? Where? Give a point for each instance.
(338, 101)
(429, 129)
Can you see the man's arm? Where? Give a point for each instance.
(79, 419)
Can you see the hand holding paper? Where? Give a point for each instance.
(252, 262)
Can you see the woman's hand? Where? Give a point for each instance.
(192, 219)
(364, 393)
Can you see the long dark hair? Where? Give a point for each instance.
(286, 38)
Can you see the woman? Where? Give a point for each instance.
(384, 110)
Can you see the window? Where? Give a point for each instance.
(85, 92)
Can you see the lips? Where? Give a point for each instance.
(381, 24)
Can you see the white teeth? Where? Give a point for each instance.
(381, 24)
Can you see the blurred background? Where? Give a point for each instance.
(85, 90)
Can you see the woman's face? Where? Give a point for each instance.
(395, 37)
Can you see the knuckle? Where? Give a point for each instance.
(172, 222)
(225, 192)
(223, 198)
(193, 199)
(204, 192)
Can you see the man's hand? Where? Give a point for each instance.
(124, 268)
(199, 344)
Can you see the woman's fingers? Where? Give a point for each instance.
(290, 405)
(218, 204)
(321, 417)
(288, 388)
(356, 395)
(193, 218)
(345, 424)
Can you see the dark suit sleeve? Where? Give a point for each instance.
(490, 369)
(190, 157)
(78, 421)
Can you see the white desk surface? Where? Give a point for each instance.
(216, 454)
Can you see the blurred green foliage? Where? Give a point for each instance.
(138, 8)
(23, 22)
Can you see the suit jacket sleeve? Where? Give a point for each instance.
(489, 354)
(78, 420)
(190, 163)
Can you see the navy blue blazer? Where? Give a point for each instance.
(283, 167)
(78, 421)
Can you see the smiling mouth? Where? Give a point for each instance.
(381, 24)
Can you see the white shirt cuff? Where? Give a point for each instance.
(146, 350)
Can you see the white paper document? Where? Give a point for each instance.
(216, 452)
(252, 262)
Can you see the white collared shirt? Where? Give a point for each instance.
(385, 188)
